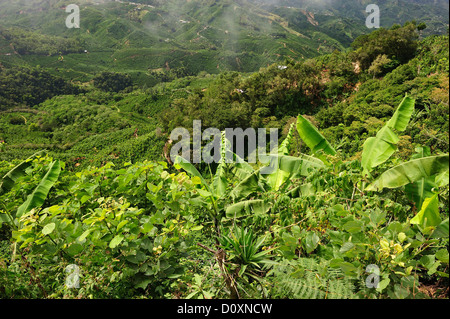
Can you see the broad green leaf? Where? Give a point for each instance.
(312, 137)
(143, 282)
(354, 226)
(48, 229)
(204, 193)
(10, 178)
(429, 214)
(220, 182)
(302, 165)
(442, 255)
(442, 179)
(383, 284)
(277, 178)
(74, 249)
(311, 241)
(422, 188)
(285, 146)
(121, 224)
(83, 236)
(291, 166)
(348, 269)
(346, 247)
(379, 149)
(442, 230)
(410, 172)
(249, 185)
(428, 261)
(419, 190)
(38, 196)
(249, 207)
(402, 115)
(116, 241)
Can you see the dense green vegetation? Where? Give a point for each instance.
(91, 205)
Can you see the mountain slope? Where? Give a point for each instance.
(148, 38)
(435, 13)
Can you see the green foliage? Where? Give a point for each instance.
(27, 42)
(23, 86)
(306, 278)
(312, 137)
(112, 82)
(377, 150)
(396, 43)
(411, 172)
(94, 209)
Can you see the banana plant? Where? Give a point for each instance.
(410, 172)
(35, 199)
(429, 213)
(421, 172)
(8, 181)
(216, 190)
(251, 180)
(420, 176)
(39, 194)
(278, 177)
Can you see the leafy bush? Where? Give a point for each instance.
(112, 82)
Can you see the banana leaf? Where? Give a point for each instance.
(7, 182)
(313, 138)
(252, 183)
(279, 177)
(249, 207)
(441, 230)
(420, 190)
(402, 115)
(297, 166)
(379, 149)
(429, 213)
(423, 188)
(410, 172)
(38, 196)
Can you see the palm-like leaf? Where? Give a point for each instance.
(379, 149)
(10, 178)
(38, 196)
(410, 172)
(429, 213)
(278, 177)
(250, 207)
(313, 138)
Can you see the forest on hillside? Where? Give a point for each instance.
(357, 207)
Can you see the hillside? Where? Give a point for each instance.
(353, 203)
(433, 13)
(347, 92)
(146, 40)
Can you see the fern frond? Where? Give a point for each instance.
(308, 278)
